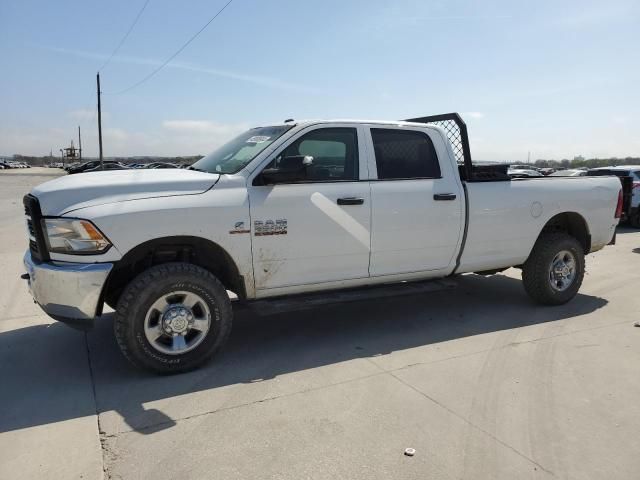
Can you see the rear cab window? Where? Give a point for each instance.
(404, 154)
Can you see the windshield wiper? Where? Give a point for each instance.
(197, 169)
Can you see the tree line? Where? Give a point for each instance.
(587, 162)
(47, 160)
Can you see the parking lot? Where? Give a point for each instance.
(477, 379)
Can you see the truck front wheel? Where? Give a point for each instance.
(553, 273)
(172, 318)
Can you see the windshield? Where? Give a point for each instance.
(233, 156)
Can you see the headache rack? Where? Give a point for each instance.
(456, 131)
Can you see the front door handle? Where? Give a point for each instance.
(444, 196)
(350, 201)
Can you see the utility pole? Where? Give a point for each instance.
(79, 145)
(99, 122)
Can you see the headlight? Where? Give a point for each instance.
(74, 236)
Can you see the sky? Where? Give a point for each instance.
(554, 78)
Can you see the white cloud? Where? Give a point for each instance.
(81, 114)
(86, 114)
(172, 137)
(474, 115)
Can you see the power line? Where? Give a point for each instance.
(135, 21)
(164, 64)
(93, 116)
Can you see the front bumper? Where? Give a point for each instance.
(69, 292)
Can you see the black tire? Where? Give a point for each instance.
(634, 220)
(152, 284)
(535, 271)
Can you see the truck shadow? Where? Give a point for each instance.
(52, 382)
(626, 228)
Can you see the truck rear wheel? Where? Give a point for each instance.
(172, 318)
(553, 273)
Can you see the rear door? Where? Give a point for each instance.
(313, 229)
(417, 203)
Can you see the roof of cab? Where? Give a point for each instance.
(352, 120)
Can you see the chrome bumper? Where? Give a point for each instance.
(67, 291)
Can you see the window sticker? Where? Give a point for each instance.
(258, 139)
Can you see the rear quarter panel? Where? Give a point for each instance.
(506, 218)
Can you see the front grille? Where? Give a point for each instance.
(37, 244)
(32, 232)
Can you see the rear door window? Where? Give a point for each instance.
(404, 154)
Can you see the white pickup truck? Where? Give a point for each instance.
(296, 208)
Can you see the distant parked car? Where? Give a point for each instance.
(161, 165)
(523, 173)
(108, 166)
(523, 166)
(71, 166)
(572, 172)
(632, 171)
(91, 165)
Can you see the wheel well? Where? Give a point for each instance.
(195, 250)
(573, 224)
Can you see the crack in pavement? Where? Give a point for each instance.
(103, 448)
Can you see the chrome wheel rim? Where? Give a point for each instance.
(177, 322)
(562, 271)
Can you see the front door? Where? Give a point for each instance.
(312, 226)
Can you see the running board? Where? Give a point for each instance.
(271, 306)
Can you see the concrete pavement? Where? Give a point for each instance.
(480, 381)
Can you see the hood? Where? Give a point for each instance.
(71, 192)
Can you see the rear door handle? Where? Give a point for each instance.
(444, 196)
(350, 201)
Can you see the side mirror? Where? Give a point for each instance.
(289, 169)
